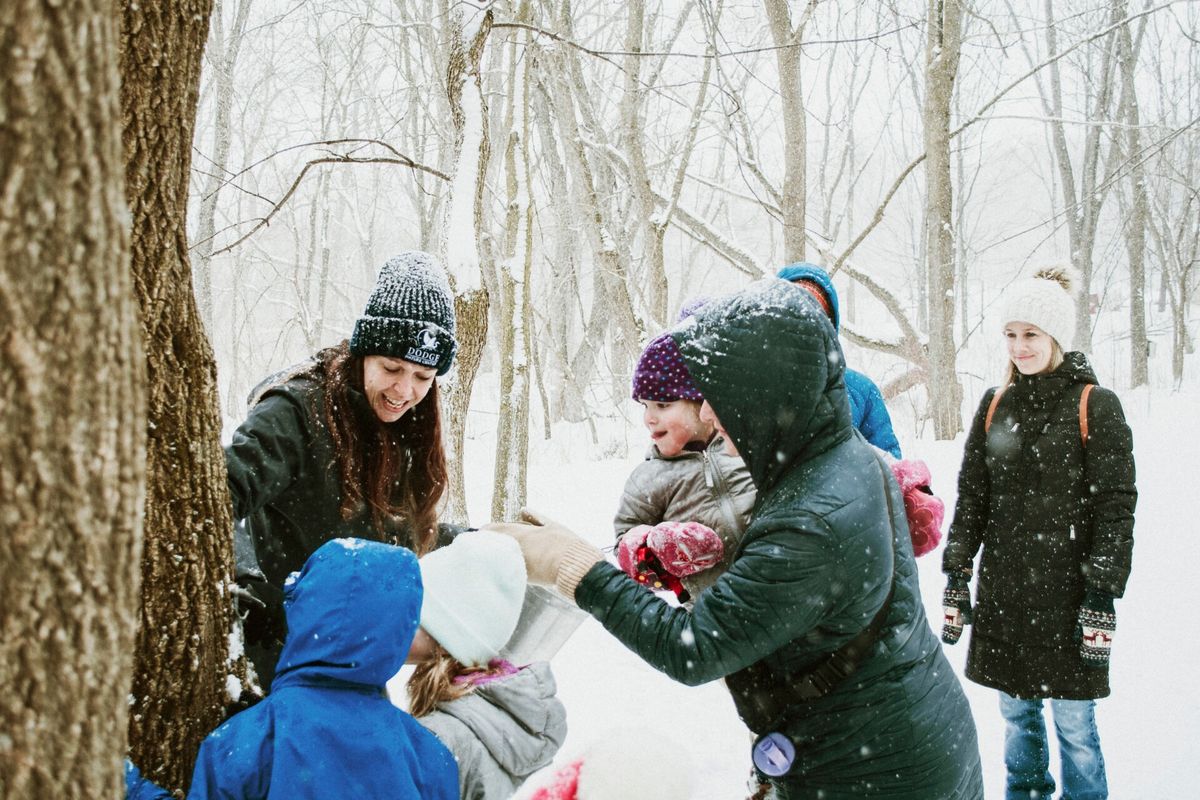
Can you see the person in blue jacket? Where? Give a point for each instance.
(867, 411)
(327, 729)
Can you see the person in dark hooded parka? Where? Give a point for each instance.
(826, 560)
(328, 729)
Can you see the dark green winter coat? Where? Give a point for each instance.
(287, 498)
(814, 567)
(1054, 518)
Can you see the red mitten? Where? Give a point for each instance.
(627, 549)
(923, 509)
(685, 548)
(563, 786)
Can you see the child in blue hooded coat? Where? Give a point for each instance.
(327, 729)
(867, 411)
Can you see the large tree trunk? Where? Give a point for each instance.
(942, 44)
(72, 406)
(182, 659)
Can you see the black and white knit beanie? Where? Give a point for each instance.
(1045, 299)
(410, 314)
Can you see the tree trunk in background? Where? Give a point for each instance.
(471, 306)
(1083, 197)
(792, 197)
(1139, 211)
(223, 55)
(72, 406)
(183, 655)
(942, 45)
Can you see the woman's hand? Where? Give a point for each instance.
(548, 546)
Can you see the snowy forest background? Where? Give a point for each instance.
(582, 168)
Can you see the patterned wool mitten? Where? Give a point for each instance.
(685, 548)
(956, 606)
(1097, 624)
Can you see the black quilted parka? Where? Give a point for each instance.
(1054, 517)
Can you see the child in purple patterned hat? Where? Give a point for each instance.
(685, 507)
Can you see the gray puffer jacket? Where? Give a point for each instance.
(710, 487)
(502, 732)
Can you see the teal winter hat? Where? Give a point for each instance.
(410, 314)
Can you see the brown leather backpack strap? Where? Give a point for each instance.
(1083, 416)
(987, 421)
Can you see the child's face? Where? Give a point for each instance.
(710, 417)
(673, 425)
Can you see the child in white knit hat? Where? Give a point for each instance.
(502, 722)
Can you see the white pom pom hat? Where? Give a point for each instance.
(1045, 299)
(474, 588)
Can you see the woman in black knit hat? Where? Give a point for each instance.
(347, 444)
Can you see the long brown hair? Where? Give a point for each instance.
(398, 469)
(442, 678)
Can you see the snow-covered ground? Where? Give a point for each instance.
(1150, 726)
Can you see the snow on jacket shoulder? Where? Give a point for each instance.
(327, 729)
(502, 732)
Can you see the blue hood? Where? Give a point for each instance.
(352, 613)
(811, 272)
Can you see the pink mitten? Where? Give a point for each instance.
(627, 549)
(685, 548)
(923, 509)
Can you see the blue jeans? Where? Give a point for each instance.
(1027, 756)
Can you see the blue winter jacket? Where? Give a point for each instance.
(327, 729)
(867, 410)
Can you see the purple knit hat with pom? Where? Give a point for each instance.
(661, 376)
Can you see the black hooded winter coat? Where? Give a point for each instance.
(814, 567)
(1054, 518)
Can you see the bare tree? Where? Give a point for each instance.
(787, 38)
(943, 44)
(187, 559)
(1138, 214)
(72, 406)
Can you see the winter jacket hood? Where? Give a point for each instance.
(503, 731)
(352, 613)
(811, 272)
(327, 729)
(723, 347)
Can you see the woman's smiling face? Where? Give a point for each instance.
(393, 385)
(1029, 347)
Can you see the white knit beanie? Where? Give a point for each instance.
(1047, 300)
(474, 588)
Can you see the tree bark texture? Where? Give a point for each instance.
(942, 46)
(182, 659)
(792, 198)
(72, 406)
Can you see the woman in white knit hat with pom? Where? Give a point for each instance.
(1047, 492)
